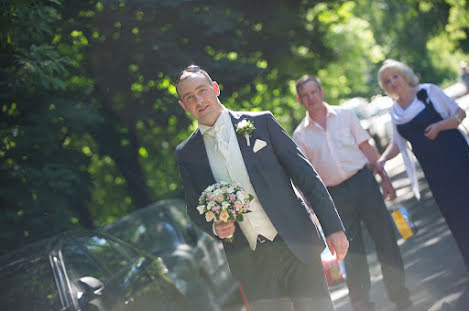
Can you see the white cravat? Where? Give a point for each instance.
(227, 164)
(217, 132)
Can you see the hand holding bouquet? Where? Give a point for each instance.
(224, 202)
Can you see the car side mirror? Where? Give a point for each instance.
(91, 288)
(90, 285)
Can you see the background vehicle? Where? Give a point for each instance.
(196, 262)
(85, 271)
(374, 118)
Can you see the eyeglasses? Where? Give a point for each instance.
(191, 68)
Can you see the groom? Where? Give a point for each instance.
(276, 250)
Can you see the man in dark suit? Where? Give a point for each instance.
(276, 250)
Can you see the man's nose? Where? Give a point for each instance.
(198, 99)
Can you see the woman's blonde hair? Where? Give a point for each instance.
(406, 71)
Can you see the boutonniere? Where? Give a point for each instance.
(245, 128)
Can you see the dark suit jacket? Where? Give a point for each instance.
(271, 170)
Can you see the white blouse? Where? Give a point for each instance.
(443, 104)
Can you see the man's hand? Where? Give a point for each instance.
(338, 244)
(224, 229)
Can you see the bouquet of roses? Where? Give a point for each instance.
(224, 202)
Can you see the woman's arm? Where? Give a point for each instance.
(372, 155)
(432, 131)
(391, 151)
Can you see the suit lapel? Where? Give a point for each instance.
(246, 152)
(198, 160)
(235, 119)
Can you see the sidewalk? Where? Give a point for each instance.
(435, 272)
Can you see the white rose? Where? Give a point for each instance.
(225, 204)
(201, 209)
(210, 188)
(231, 190)
(211, 205)
(243, 123)
(240, 195)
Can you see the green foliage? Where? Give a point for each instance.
(44, 183)
(356, 52)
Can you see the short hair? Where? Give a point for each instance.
(406, 71)
(184, 74)
(305, 79)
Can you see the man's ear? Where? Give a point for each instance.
(216, 87)
(182, 105)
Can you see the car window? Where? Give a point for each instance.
(103, 252)
(28, 284)
(153, 232)
(79, 263)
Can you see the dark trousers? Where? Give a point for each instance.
(358, 199)
(274, 279)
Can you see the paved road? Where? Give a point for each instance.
(434, 268)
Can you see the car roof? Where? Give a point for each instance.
(150, 209)
(39, 249)
(30, 252)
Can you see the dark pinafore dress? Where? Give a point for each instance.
(445, 163)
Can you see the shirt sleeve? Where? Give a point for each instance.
(444, 105)
(297, 139)
(358, 132)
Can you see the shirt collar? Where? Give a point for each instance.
(222, 119)
(330, 112)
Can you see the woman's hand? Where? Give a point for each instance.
(432, 131)
(378, 166)
(388, 190)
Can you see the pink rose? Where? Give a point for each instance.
(209, 216)
(220, 198)
(238, 204)
(224, 216)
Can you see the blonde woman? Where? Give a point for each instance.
(428, 119)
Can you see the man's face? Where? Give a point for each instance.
(311, 96)
(199, 97)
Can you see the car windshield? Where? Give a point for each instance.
(93, 255)
(143, 229)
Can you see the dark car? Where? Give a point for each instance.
(85, 271)
(196, 262)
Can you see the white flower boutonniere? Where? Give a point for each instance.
(245, 128)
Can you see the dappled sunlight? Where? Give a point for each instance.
(434, 276)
